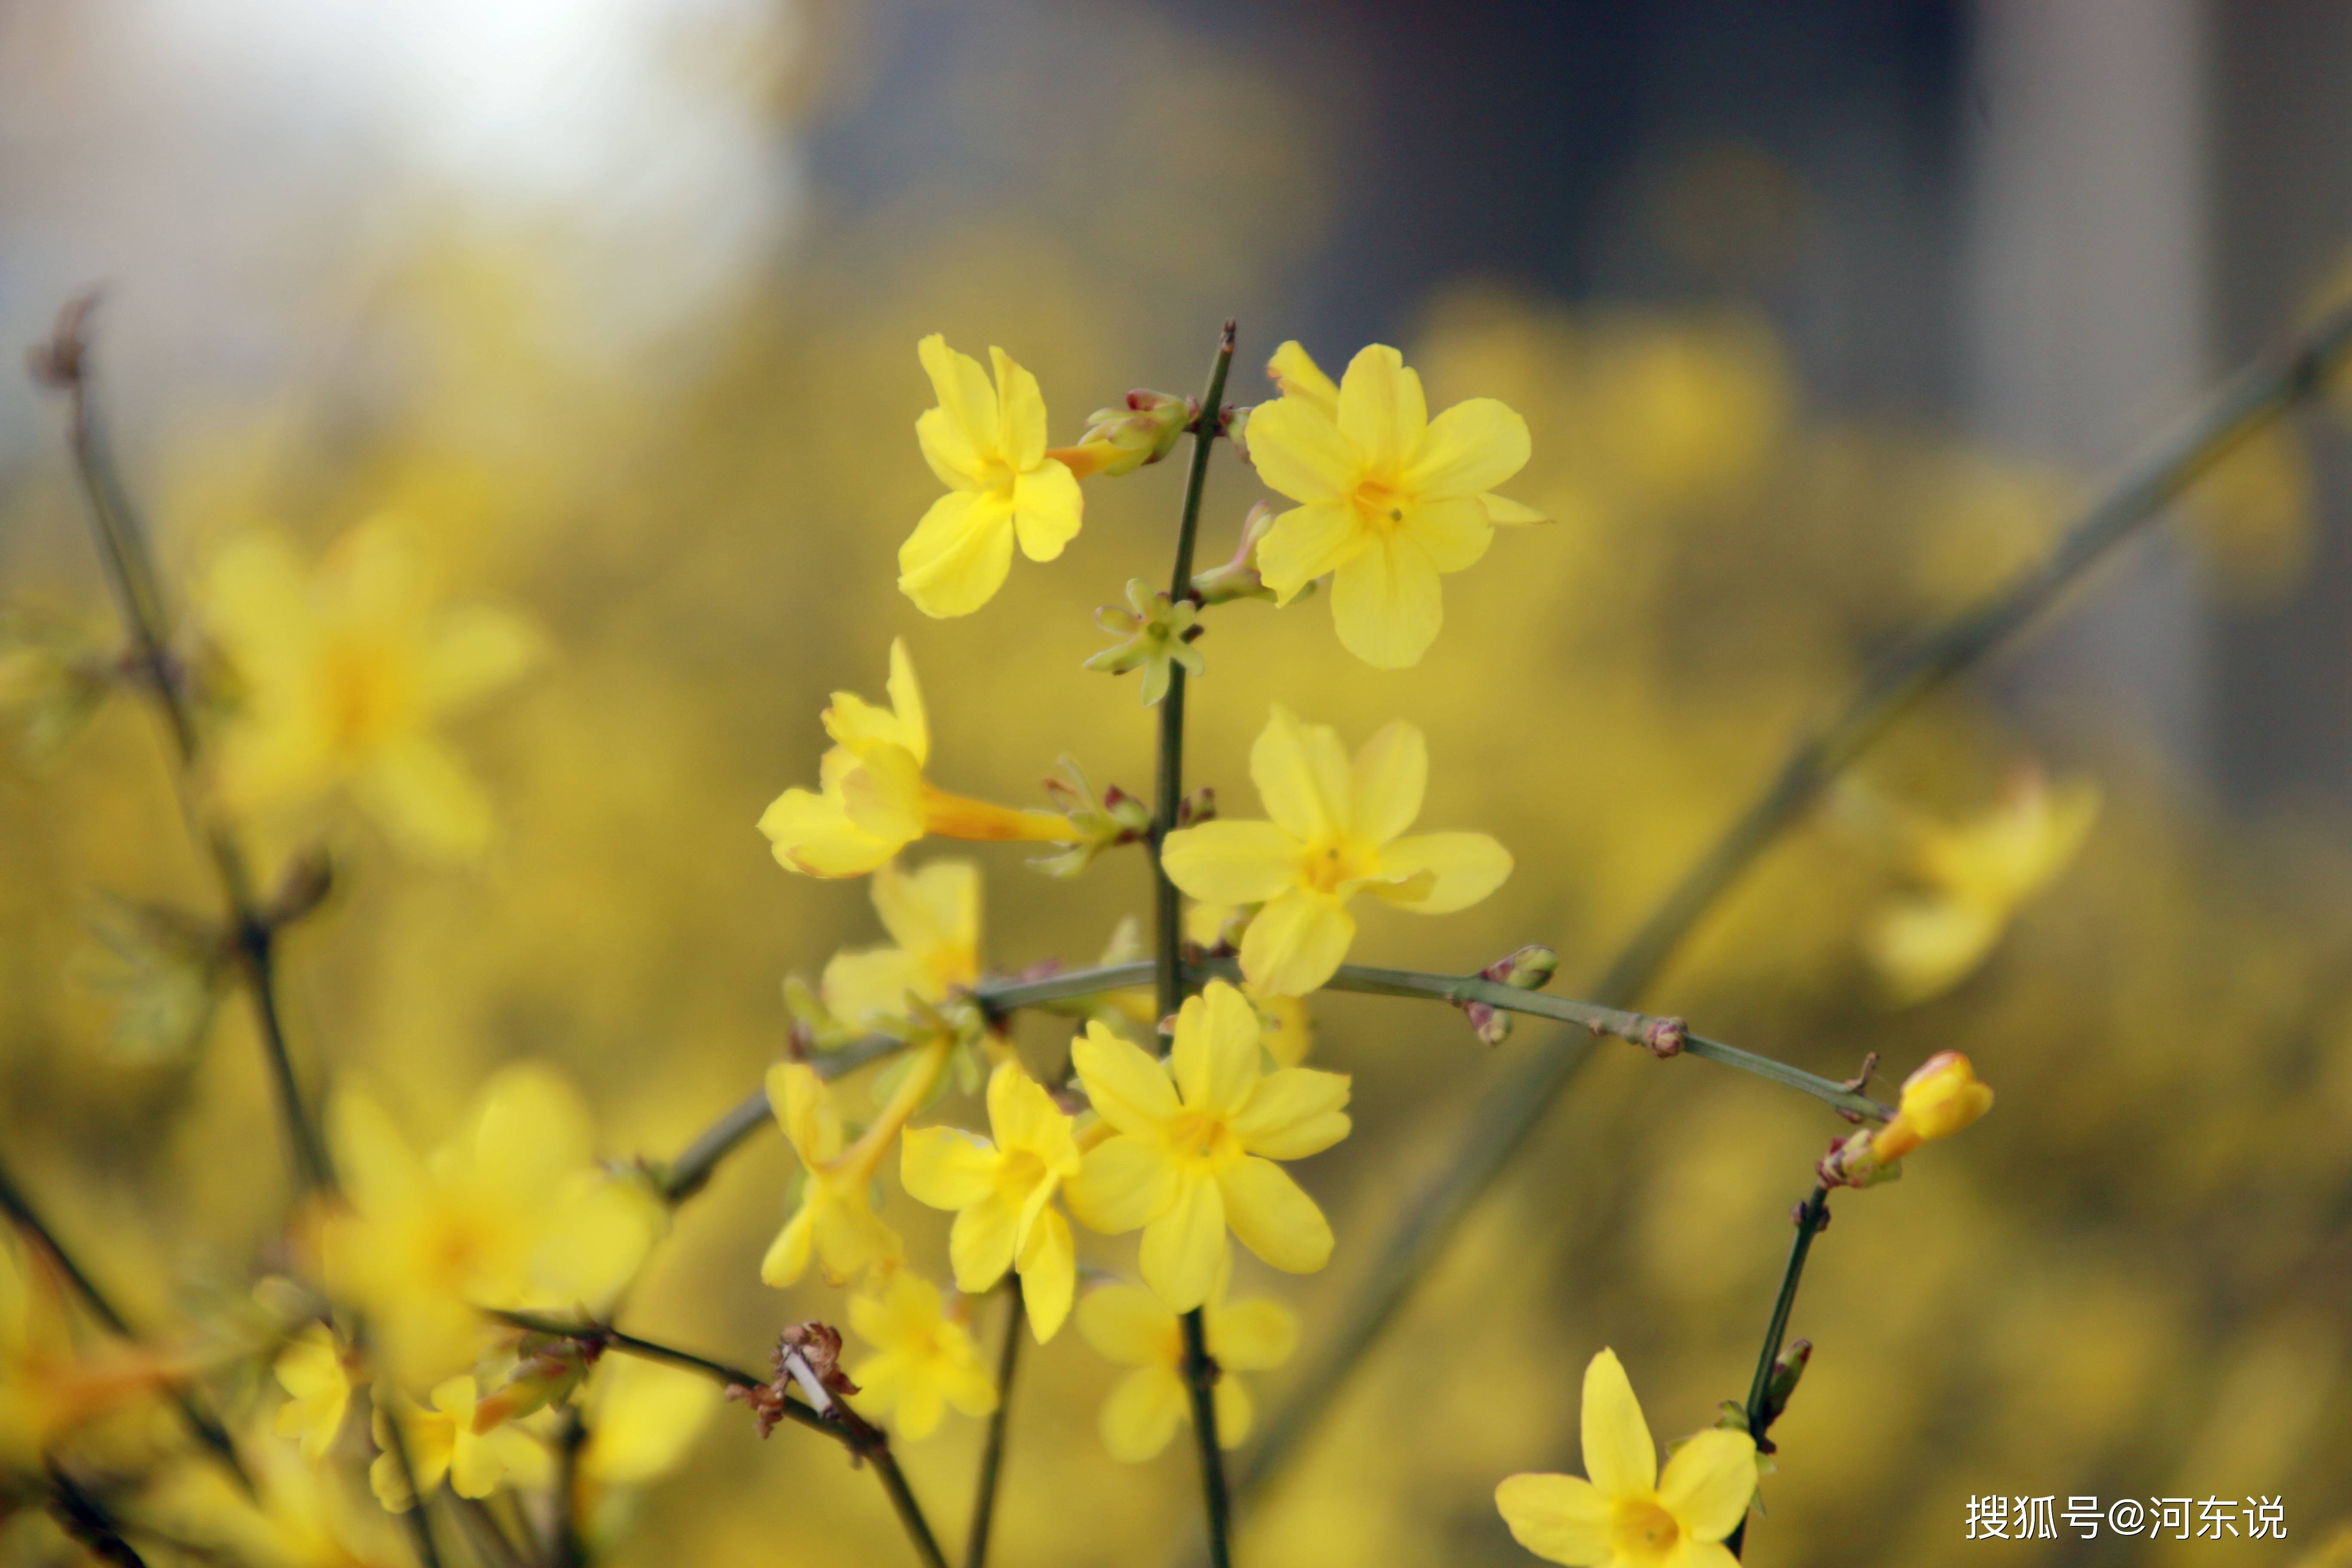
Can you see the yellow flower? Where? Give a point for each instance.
(924, 1361)
(836, 1222)
(347, 674)
(48, 1385)
(1196, 1146)
(296, 1516)
(512, 1212)
(643, 1416)
(1389, 498)
(1943, 1096)
(443, 1441)
(1335, 832)
(1628, 1515)
(875, 800)
(1289, 1027)
(316, 1378)
(1973, 877)
(1002, 1193)
(933, 916)
(1130, 1326)
(987, 445)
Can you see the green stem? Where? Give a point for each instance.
(416, 1517)
(565, 1548)
(132, 578)
(1201, 1373)
(1168, 924)
(844, 1426)
(688, 1174)
(1812, 1215)
(1518, 1105)
(208, 1430)
(992, 1457)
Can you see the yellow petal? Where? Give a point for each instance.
(1215, 1057)
(1296, 375)
(1299, 452)
(1618, 1453)
(1924, 945)
(1502, 509)
(906, 703)
(1253, 1336)
(851, 1239)
(1459, 870)
(1454, 532)
(803, 1108)
(1049, 1274)
(962, 389)
(1390, 775)
(473, 651)
(1561, 1519)
(1302, 775)
(1129, 1325)
(1386, 603)
(380, 1172)
(959, 554)
(1236, 1414)
(643, 1416)
(1271, 1216)
(1469, 449)
(1294, 1112)
(1127, 1088)
(1229, 862)
(865, 988)
(812, 835)
(1023, 1116)
(1123, 1184)
(1295, 943)
(1707, 1483)
(884, 795)
(1047, 509)
(979, 1247)
(1021, 412)
(427, 799)
(530, 1130)
(933, 914)
(1142, 1412)
(946, 1167)
(1382, 409)
(948, 451)
(1306, 542)
(787, 1258)
(1183, 1246)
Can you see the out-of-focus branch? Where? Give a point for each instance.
(691, 1170)
(2256, 394)
(63, 364)
(992, 1455)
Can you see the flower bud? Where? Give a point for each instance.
(547, 1369)
(1101, 822)
(1938, 1099)
(1157, 637)
(1238, 577)
(1529, 969)
(1120, 440)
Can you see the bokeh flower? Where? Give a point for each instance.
(1002, 1194)
(987, 445)
(49, 1383)
(346, 675)
(1389, 498)
(933, 918)
(834, 1223)
(1196, 1142)
(1335, 832)
(1627, 1515)
(924, 1361)
(512, 1212)
(441, 1441)
(315, 1371)
(874, 800)
(1973, 878)
(1132, 1327)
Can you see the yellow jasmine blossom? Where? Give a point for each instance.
(836, 1222)
(1943, 1096)
(924, 1361)
(1003, 1193)
(1195, 1144)
(317, 1377)
(347, 674)
(512, 1212)
(1973, 876)
(1290, 1029)
(874, 800)
(1335, 832)
(1628, 1515)
(933, 916)
(1133, 1327)
(1389, 498)
(442, 1441)
(987, 445)
(643, 1417)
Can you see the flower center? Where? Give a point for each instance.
(362, 697)
(1643, 1531)
(1200, 1139)
(1020, 1173)
(1326, 865)
(1380, 504)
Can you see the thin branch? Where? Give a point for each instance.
(86, 1520)
(565, 1549)
(416, 1517)
(1201, 1373)
(992, 1457)
(691, 1170)
(1518, 1105)
(200, 1421)
(844, 1426)
(1812, 1216)
(63, 364)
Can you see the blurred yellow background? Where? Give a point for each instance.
(647, 379)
